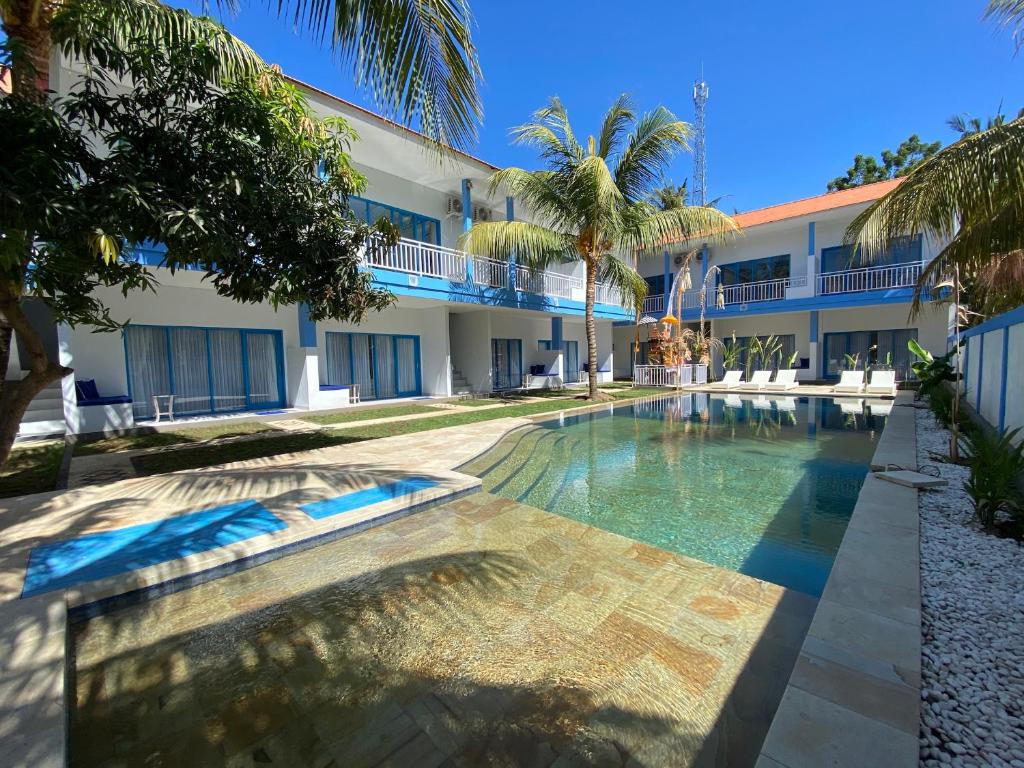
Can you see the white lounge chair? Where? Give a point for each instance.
(882, 383)
(731, 379)
(850, 381)
(762, 403)
(759, 380)
(784, 380)
(733, 401)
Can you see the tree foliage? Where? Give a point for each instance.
(866, 169)
(154, 145)
(592, 202)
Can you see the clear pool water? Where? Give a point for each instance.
(760, 486)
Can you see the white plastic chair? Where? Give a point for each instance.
(882, 383)
(784, 380)
(731, 379)
(760, 379)
(850, 381)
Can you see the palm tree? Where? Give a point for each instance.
(415, 57)
(592, 203)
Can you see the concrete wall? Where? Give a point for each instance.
(995, 368)
(471, 347)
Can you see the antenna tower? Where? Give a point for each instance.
(700, 155)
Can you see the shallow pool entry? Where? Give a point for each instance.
(760, 486)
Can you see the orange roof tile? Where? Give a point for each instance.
(827, 202)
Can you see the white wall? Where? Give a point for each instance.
(992, 376)
(1015, 373)
(471, 348)
(987, 361)
(430, 324)
(100, 356)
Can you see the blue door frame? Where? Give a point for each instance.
(371, 347)
(244, 333)
(503, 378)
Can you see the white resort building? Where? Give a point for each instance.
(462, 323)
(788, 274)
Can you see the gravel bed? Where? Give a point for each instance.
(972, 625)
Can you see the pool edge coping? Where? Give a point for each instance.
(853, 697)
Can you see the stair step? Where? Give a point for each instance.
(42, 428)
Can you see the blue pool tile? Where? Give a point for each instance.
(109, 553)
(364, 498)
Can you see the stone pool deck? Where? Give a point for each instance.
(854, 697)
(845, 704)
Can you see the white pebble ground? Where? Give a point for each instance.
(972, 614)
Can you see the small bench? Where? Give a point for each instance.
(87, 394)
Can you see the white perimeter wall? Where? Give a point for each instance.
(985, 361)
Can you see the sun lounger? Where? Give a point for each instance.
(731, 379)
(784, 380)
(759, 380)
(882, 383)
(850, 381)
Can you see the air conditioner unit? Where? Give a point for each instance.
(481, 214)
(454, 205)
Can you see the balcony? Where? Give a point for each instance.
(848, 281)
(428, 260)
(869, 279)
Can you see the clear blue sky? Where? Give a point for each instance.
(797, 88)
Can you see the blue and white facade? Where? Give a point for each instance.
(461, 323)
(787, 273)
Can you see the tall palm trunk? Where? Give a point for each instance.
(29, 31)
(591, 329)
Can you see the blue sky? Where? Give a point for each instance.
(797, 88)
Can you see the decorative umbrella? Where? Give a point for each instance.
(647, 320)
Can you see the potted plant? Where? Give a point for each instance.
(731, 353)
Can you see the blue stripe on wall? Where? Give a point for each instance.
(1002, 383)
(109, 553)
(348, 502)
(307, 328)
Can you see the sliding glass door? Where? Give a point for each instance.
(383, 365)
(869, 348)
(507, 363)
(207, 370)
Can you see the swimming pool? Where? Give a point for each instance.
(760, 486)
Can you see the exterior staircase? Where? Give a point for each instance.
(459, 384)
(45, 414)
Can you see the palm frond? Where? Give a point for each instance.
(551, 133)
(655, 138)
(1008, 14)
(620, 274)
(615, 123)
(593, 189)
(969, 180)
(533, 245)
(649, 228)
(416, 57)
(541, 192)
(81, 26)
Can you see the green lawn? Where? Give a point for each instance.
(202, 456)
(365, 414)
(155, 439)
(477, 402)
(31, 470)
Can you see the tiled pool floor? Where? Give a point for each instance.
(481, 632)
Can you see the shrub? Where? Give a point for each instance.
(997, 464)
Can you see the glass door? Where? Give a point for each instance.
(572, 361)
(383, 365)
(507, 363)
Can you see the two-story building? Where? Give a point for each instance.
(788, 274)
(460, 323)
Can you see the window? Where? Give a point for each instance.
(902, 250)
(655, 285)
(412, 225)
(788, 347)
(754, 270)
(870, 348)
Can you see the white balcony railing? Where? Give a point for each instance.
(869, 279)
(654, 304)
(417, 258)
